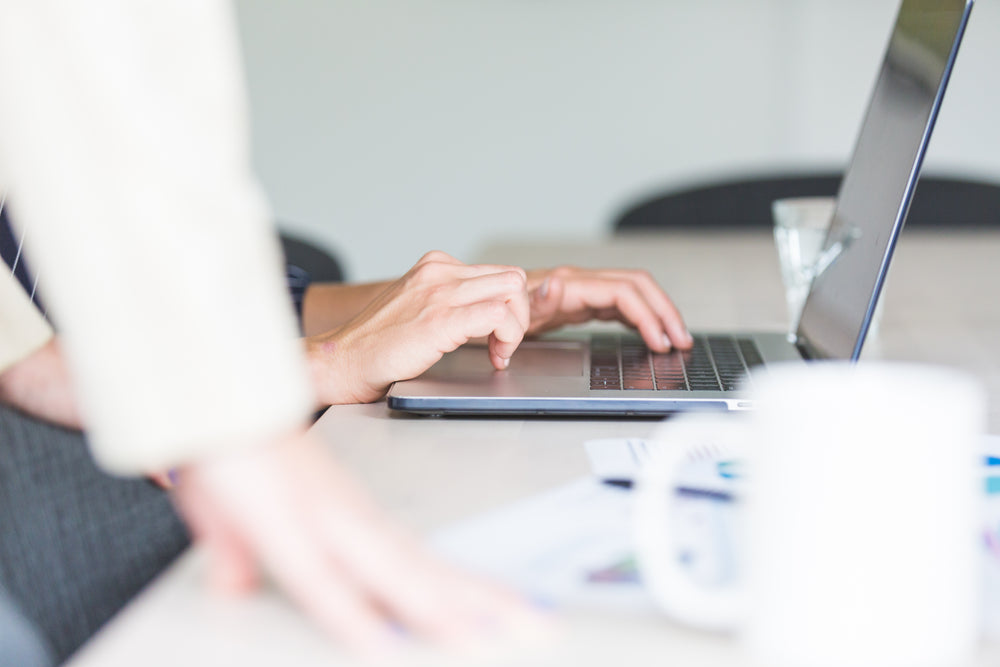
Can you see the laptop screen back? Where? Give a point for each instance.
(878, 185)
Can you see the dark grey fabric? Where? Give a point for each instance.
(75, 543)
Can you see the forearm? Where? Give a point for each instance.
(330, 305)
(40, 385)
(152, 236)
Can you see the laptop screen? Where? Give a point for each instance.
(879, 183)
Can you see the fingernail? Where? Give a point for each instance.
(666, 342)
(506, 363)
(543, 289)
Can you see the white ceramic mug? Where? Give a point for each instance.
(858, 517)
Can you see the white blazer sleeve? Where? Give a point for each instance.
(124, 141)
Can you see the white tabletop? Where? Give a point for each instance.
(940, 307)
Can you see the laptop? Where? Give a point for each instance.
(615, 374)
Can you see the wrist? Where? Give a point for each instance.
(334, 376)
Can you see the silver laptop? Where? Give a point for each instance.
(615, 374)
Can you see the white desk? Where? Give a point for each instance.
(941, 307)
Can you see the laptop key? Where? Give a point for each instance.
(716, 363)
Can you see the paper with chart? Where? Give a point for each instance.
(571, 546)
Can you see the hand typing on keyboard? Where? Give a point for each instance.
(571, 295)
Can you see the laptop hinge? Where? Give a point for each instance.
(808, 352)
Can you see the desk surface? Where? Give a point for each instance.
(940, 307)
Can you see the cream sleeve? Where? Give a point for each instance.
(22, 328)
(124, 141)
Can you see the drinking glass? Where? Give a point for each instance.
(800, 227)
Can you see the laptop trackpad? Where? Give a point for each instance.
(533, 358)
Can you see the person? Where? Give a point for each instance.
(126, 160)
(131, 531)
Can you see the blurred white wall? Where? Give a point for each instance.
(390, 127)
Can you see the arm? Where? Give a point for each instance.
(559, 296)
(437, 306)
(128, 160)
(410, 324)
(40, 385)
(32, 375)
(148, 226)
(330, 305)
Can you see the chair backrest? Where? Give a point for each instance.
(318, 262)
(746, 203)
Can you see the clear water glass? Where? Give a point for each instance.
(800, 227)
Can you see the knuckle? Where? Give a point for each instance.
(434, 256)
(514, 281)
(427, 272)
(627, 290)
(564, 271)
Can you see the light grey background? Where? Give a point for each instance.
(386, 128)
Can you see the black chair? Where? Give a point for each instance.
(321, 265)
(746, 203)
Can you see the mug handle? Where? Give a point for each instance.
(718, 608)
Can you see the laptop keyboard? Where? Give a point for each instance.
(715, 363)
